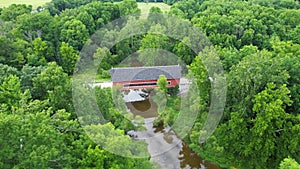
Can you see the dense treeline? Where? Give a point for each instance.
(258, 43)
(39, 126)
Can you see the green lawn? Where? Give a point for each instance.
(145, 7)
(34, 3)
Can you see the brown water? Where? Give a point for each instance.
(165, 148)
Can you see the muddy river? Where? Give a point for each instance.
(165, 148)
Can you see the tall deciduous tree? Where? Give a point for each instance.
(54, 84)
(249, 77)
(183, 51)
(269, 107)
(13, 11)
(155, 48)
(154, 17)
(37, 25)
(87, 20)
(268, 130)
(162, 84)
(39, 50)
(27, 74)
(10, 133)
(288, 55)
(69, 57)
(75, 33)
(6, 71)
(50, 78)
(128, 7)
(11, 51)
(289, 163)
(10, 91)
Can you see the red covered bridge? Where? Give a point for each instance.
(144, 77)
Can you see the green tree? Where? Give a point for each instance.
(69, 57)
(10, 91)
(102, 12)
(35, 136)
(154, 16)
(13, 11)
(75, 33)
(288, 55)
(6, 71)
(154, 48)
(49, 79)
(50, 148)
(128, 7)
(114, 141)
(39, 50)
(190, 7)
(270, 129)
(37, 25)
(160, 98)
(104, 101)
(27, 74)
(183, 51)
(10, 125)
(289, 163)
(249, 77)
(295, 35)
(200, 73)
(173, 91)
(54, 84)
(104, 60)
(11, 51)
(269, 107)
(87, 20)
(162, 84)
(177, 12)
(155, 40)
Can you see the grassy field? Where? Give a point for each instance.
(34, 3)
(145, 7)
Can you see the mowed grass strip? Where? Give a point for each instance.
(34, 3)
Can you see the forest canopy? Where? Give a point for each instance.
(257, 41)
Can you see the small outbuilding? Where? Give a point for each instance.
(144, 77)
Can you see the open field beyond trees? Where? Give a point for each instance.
(145, 7)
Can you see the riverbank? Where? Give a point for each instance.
(165, 148)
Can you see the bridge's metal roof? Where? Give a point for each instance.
(144, 73)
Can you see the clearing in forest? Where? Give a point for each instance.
(145, 7)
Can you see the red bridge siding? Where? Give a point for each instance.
(139, 84)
